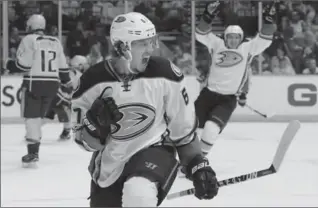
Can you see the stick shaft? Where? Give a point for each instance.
(282, 148)
(256, 111)
(229, 181)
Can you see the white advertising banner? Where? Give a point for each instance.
(289, 97)
(10, 96)
(292, 97)
(285, 97)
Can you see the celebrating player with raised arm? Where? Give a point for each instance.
(134, 113)
(229, 72)
(41, 58)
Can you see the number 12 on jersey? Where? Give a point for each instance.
(46, 60)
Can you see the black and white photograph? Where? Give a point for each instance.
(159, 103)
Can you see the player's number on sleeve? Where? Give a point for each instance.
(46, 60)
(185, 95)
(78, 111)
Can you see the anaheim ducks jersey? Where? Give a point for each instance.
(229, 70)
(42, 58)
(155, 107)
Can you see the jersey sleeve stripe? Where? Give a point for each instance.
(266, 37)
(20, 66)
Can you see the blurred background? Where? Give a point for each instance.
(84, 26)
(284, 77)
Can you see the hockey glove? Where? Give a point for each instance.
(269, 12)
(211, 10)
(203, 177)
(242, 99)
(101, 117)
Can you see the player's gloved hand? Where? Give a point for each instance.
(211, 10)
(101, 117)
(269, 12)
(242, 99)
(203, 177)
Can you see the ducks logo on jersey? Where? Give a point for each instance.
(137, 119)
(228, 58)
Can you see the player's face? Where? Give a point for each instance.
(233, 40)
(141, 51)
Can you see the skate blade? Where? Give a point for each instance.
(30, 165)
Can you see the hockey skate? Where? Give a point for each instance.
(30, 160)
(65, 135)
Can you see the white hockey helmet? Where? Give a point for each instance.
(79, 63)
(234, 29)
(35, 22)
(130, 27)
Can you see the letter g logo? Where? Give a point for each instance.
(301, 95)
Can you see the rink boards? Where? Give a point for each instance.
(289, 97)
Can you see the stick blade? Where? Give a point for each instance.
(270, 115)
(288, 136)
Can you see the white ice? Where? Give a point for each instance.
(62, 179)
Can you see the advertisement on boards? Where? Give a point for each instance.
(289, 97)
(10, 96)
(285, 96)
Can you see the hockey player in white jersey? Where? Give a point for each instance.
(134, 113)
(61, 104)
(229, 72)
(42, 61)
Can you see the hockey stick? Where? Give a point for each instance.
(283, 146)
(258, 112)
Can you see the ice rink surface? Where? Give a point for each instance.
(62, 179)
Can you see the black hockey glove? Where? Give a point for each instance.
(211, 10)
(269, 12)
(101, 117)
(242, 99)
(203, 177)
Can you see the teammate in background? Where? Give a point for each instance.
(42, 60)
(61, 104)
(227, 80)
(134, 113)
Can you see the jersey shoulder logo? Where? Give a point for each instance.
(137, 119)
(176, 69)
(228, 58)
